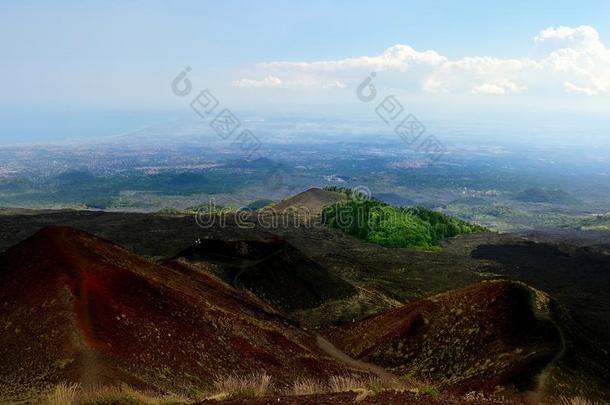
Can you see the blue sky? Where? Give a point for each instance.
(79, 68)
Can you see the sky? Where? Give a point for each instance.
(89, 69)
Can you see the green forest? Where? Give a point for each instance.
(374, 221)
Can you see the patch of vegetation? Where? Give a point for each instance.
(258, 204)
(346, 191)
(205, 208)
(595, 223)
(546, 195)
(251, 386)
(73, 394)
(375, 221)
(307, 386)
(105, 191)
(431, 390)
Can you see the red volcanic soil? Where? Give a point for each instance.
(491, 336)
(311, 201)
(79, 308)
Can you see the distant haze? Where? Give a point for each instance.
(83, 70)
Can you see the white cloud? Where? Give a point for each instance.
(399, 57)
(574, 89)
(498, 87)
(269, 81)
(574, 61)
(578, 57)
(582, 37)
(295, 82)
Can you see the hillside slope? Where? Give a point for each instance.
(491, 336)
(82, 309)
(311, 201)
(273, 269)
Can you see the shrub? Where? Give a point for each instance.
(308, 387)
(341, 383)
(254, 385)
(62, 394)
(375, 386)
(575, 401)
(431, 390)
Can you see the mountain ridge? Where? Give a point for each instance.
(86, 310)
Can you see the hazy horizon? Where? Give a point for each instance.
(88, 72)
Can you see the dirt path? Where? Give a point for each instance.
(388, 380)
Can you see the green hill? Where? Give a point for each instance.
(375, 221)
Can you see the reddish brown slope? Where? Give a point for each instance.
(488, 336)
(310, 201)
(75, 307)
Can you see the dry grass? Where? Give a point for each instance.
(250, 386)
(308, 387)
(73, 394)
(61, 394)
(126, 394)
(345, 383)
(232, 386)
(576, 401)
(363, 386)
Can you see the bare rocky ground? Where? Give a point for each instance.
(385, 398)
